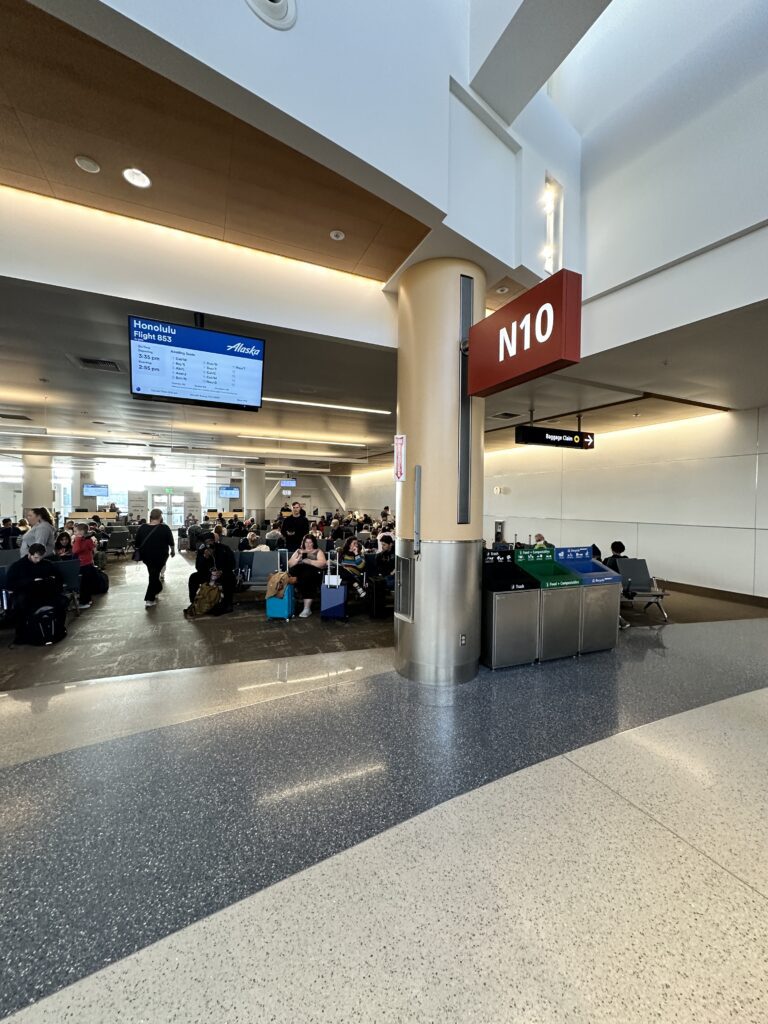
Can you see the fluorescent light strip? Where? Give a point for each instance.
(326, 405)
(301, 440)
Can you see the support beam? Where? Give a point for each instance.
(329, 484)
(533, 43)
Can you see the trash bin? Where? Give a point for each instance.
(560, 615)
(600, 598)
(510, 634)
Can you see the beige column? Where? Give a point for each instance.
(439, 641)
(37, 489)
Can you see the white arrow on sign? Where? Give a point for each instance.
(589, 440)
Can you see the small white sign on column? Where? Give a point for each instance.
(399, 457)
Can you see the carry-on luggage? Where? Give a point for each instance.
(282, 607)
(46, 626)
(333, 593)
(378, 591)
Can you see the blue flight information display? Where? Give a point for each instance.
(172, 363)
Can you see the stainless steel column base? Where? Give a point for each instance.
(437, 625)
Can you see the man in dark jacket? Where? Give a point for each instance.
(33, 582)
(215, 563)
(295, 527)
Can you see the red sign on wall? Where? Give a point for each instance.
(535, 334)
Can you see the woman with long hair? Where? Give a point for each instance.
(306, 564)
(352, 565)
(40, 531)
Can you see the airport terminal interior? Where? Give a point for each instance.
(384, 500)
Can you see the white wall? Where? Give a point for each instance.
(690, 497)
(10, 500)
(370, 491)
(688, 186)
(311, 490)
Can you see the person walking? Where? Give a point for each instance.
(154, 542)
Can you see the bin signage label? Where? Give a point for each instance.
(534, 555)
(533, 335)
(573, 554)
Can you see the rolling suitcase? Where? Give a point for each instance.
(333, 593)
(377, 593)
(282, 607)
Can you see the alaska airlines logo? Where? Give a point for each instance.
(244, 350)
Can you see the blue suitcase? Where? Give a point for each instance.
(333, 601)
(281, 607)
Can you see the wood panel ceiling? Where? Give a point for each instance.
(62, 93)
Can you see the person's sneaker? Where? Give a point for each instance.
(86, 605)
(305, 614)
(150, 604)
(624, 625)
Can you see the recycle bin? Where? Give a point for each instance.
(560, 616)
(510, 612)
(600, 598)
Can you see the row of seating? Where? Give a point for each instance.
(70, 572)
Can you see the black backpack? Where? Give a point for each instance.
(46, 625)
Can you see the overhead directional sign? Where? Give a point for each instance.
(533, 335)
(554, 437)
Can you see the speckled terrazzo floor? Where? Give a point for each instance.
(133, 808)
(118, 636)
(572, 891)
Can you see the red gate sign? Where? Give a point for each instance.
(535, 334)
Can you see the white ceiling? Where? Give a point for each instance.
(43, 331)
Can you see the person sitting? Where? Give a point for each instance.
(613, 562)
(249, 543)
(8, 535)
(236, 527)
(352, 565)
(307, 564)
(34, 583)
(274, 537)
(385, 561)
(63, 546)
(617, 552)
(194, 533)
(214, 563)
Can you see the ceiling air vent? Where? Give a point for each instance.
(99, 364)
(505, 415)
(14, 416)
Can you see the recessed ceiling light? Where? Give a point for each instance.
(136, 177)
(503, 290)
(337, 235)
(88, 164)
(326, 405)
